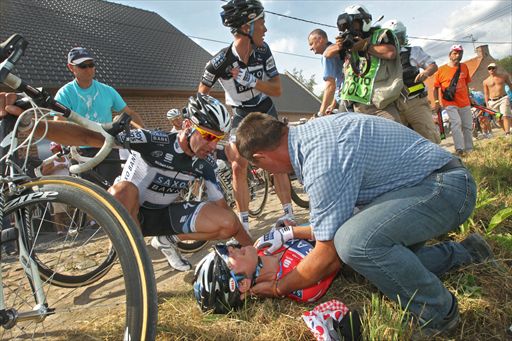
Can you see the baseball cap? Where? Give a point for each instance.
(78, 55)
(491, 65)
(456, 47)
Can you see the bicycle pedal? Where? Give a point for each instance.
(8, 235)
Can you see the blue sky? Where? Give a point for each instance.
(487, 21)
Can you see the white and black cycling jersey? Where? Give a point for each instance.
(261, 64)
(161, 170)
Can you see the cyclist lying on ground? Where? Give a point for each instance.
(225, 276)
(164, 165)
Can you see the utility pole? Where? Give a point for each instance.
(473, 40)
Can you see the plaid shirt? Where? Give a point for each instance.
(350, 159)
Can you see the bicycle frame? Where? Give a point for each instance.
(12, 175)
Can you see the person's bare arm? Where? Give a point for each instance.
(332, 50)
(383, 51)
(330, 89)
(429, 71)
(486, 93)
(62, 132)
(437, 105)
(272, 87)
(136, 118)
(203, 89)
(507, 80)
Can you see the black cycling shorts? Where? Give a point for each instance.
(176, 218)
(266, 107)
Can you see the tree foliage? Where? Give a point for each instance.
(308, 83)
(506, 64)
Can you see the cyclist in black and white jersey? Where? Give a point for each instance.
(165, 163)
(246, 70)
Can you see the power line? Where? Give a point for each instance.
(226, 42)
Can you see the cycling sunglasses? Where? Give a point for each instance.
(210, 137)
(222, 251)
(86, 65)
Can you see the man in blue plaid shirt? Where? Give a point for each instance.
(409, 191)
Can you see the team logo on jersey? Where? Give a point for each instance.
(218, 59)
(137, 136)
(159, 137)
(271, 64)
(208, 76)
(232, 285)
(168, 157)
(164, 184)
(157, 153)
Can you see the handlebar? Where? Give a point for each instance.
(10, 52)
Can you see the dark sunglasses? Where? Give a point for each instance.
(86, 65)
(491, 68)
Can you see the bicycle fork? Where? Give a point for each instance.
(9, 317)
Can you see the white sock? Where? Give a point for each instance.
(288, 209)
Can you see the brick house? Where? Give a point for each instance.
(152, 64)
(477, 70)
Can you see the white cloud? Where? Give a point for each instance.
(284, 45)
(483, 21)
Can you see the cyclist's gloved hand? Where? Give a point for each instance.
(286, 220)
(274, 239)
(246, 78)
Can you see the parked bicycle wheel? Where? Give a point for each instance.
(191, 246)
(299, 196)
(123, 303)
(257, 180)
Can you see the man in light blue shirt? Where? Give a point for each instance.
(332, 70)
(93, 100)
(409, 191)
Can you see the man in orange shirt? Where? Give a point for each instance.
(458, 108)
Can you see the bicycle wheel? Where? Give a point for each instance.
(74, 230)
(123, 302)
(299, 196)
(191, 246)
(257, 179)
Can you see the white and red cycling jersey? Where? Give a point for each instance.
(292, 253)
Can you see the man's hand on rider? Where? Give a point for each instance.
(7, 106)
(274, 239)
(244, 77)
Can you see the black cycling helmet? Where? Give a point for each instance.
(215, 288)
(209, 112)
(240, 12)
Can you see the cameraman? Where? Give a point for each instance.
(373, 77)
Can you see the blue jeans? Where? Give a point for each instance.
(384, 242)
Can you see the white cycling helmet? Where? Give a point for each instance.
(173, 113)
(358, 12)
(397, 27)
(206, 111)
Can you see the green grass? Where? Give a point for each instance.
(484, 292)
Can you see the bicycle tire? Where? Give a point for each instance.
(297, 193)
(257, 180)
(137, 300)
(191, 246)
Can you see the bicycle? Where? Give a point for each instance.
(44, 294)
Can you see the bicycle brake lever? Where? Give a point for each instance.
(11, 51)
